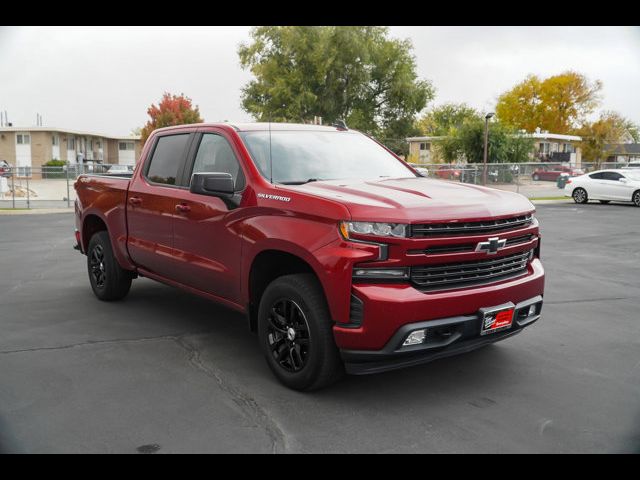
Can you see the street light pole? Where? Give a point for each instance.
(486, 146)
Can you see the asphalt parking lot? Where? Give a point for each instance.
(168, 372)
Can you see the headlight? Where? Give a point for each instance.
(398, 230)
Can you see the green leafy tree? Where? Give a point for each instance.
(558, 104)
(598, 136)
(441, 120)
(505, 145)
(357, 74)
(172, 110)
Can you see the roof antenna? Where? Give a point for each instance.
(340, 124)
(270, 156)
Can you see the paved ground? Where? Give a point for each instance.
(165, 371)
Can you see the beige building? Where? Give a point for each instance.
(551, 147)
(28, 149)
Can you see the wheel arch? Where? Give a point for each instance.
(268, 265)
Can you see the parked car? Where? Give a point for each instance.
(605, 186)
(5, 169)
(631, 165)
(447, 172)
(119, 170)
(350, 262)
(552, 172)
(420, 169)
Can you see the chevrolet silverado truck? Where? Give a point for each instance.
(341, 256)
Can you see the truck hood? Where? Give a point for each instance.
(413, 200)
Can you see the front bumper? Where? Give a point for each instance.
(449, 336)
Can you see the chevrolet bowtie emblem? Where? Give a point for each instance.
(491, 246)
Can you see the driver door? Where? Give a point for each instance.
(206, 239)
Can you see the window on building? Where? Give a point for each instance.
(23, 139)
(166, 159)
(98, 145)
(55, 140)
(425, 146)
(125, 146)
(71, 143)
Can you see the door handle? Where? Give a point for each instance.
(182, 208)
(135, 200)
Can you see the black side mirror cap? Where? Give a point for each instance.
(215, 184)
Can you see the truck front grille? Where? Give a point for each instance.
(468, 228)
(464, 274)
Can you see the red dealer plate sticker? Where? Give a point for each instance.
(496, 320)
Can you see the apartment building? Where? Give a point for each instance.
(30, 148)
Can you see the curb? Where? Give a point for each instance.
(36, 211)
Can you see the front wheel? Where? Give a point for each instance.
(536, 177)
(580, 195)
(296, 335)
(109, 280)
(636, 198)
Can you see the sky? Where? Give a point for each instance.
(103, 79)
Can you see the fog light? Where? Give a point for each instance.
(532, 310)
(416, 337)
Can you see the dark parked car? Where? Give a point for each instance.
(5, 169)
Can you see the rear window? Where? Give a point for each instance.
(167, 158)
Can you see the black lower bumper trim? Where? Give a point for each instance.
(446, 337)
(354, 367)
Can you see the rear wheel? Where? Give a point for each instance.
(636, 198)
(109, 280)
(296, 335)
(580, 195)
(536, 177)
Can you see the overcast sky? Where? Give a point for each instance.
(103, 79)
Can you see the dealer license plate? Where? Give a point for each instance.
(496, 319)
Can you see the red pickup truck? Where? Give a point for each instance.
(341, 256)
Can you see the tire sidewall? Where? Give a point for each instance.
(317, 324)
(635, 198)
(580, 189)
(117, 282)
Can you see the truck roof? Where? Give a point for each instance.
(259, 126)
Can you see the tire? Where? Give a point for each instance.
(604, 201)
(306, 357)
(536, 177)
(636, 198)
(580, 195)
(109, 281)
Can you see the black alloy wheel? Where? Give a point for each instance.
(288, 335)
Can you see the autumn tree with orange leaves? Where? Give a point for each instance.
(172, 110)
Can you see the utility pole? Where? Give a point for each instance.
(486, 146)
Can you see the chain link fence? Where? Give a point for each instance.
(43, 187)
(534, 180)
(52, 187)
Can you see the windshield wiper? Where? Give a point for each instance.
(301, 182)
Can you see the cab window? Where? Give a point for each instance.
(215, 155)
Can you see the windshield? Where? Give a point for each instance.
(303, 156)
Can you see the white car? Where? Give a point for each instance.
(119, 169)
(605, 186)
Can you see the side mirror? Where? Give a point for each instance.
(212, 183)
(623, 180)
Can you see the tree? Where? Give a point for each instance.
(441, 120)
(357, 74)
(558, 104)
(172, 110)
(597, 136)
(504, 145)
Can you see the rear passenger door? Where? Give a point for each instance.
(207, 238)
(151, 204)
